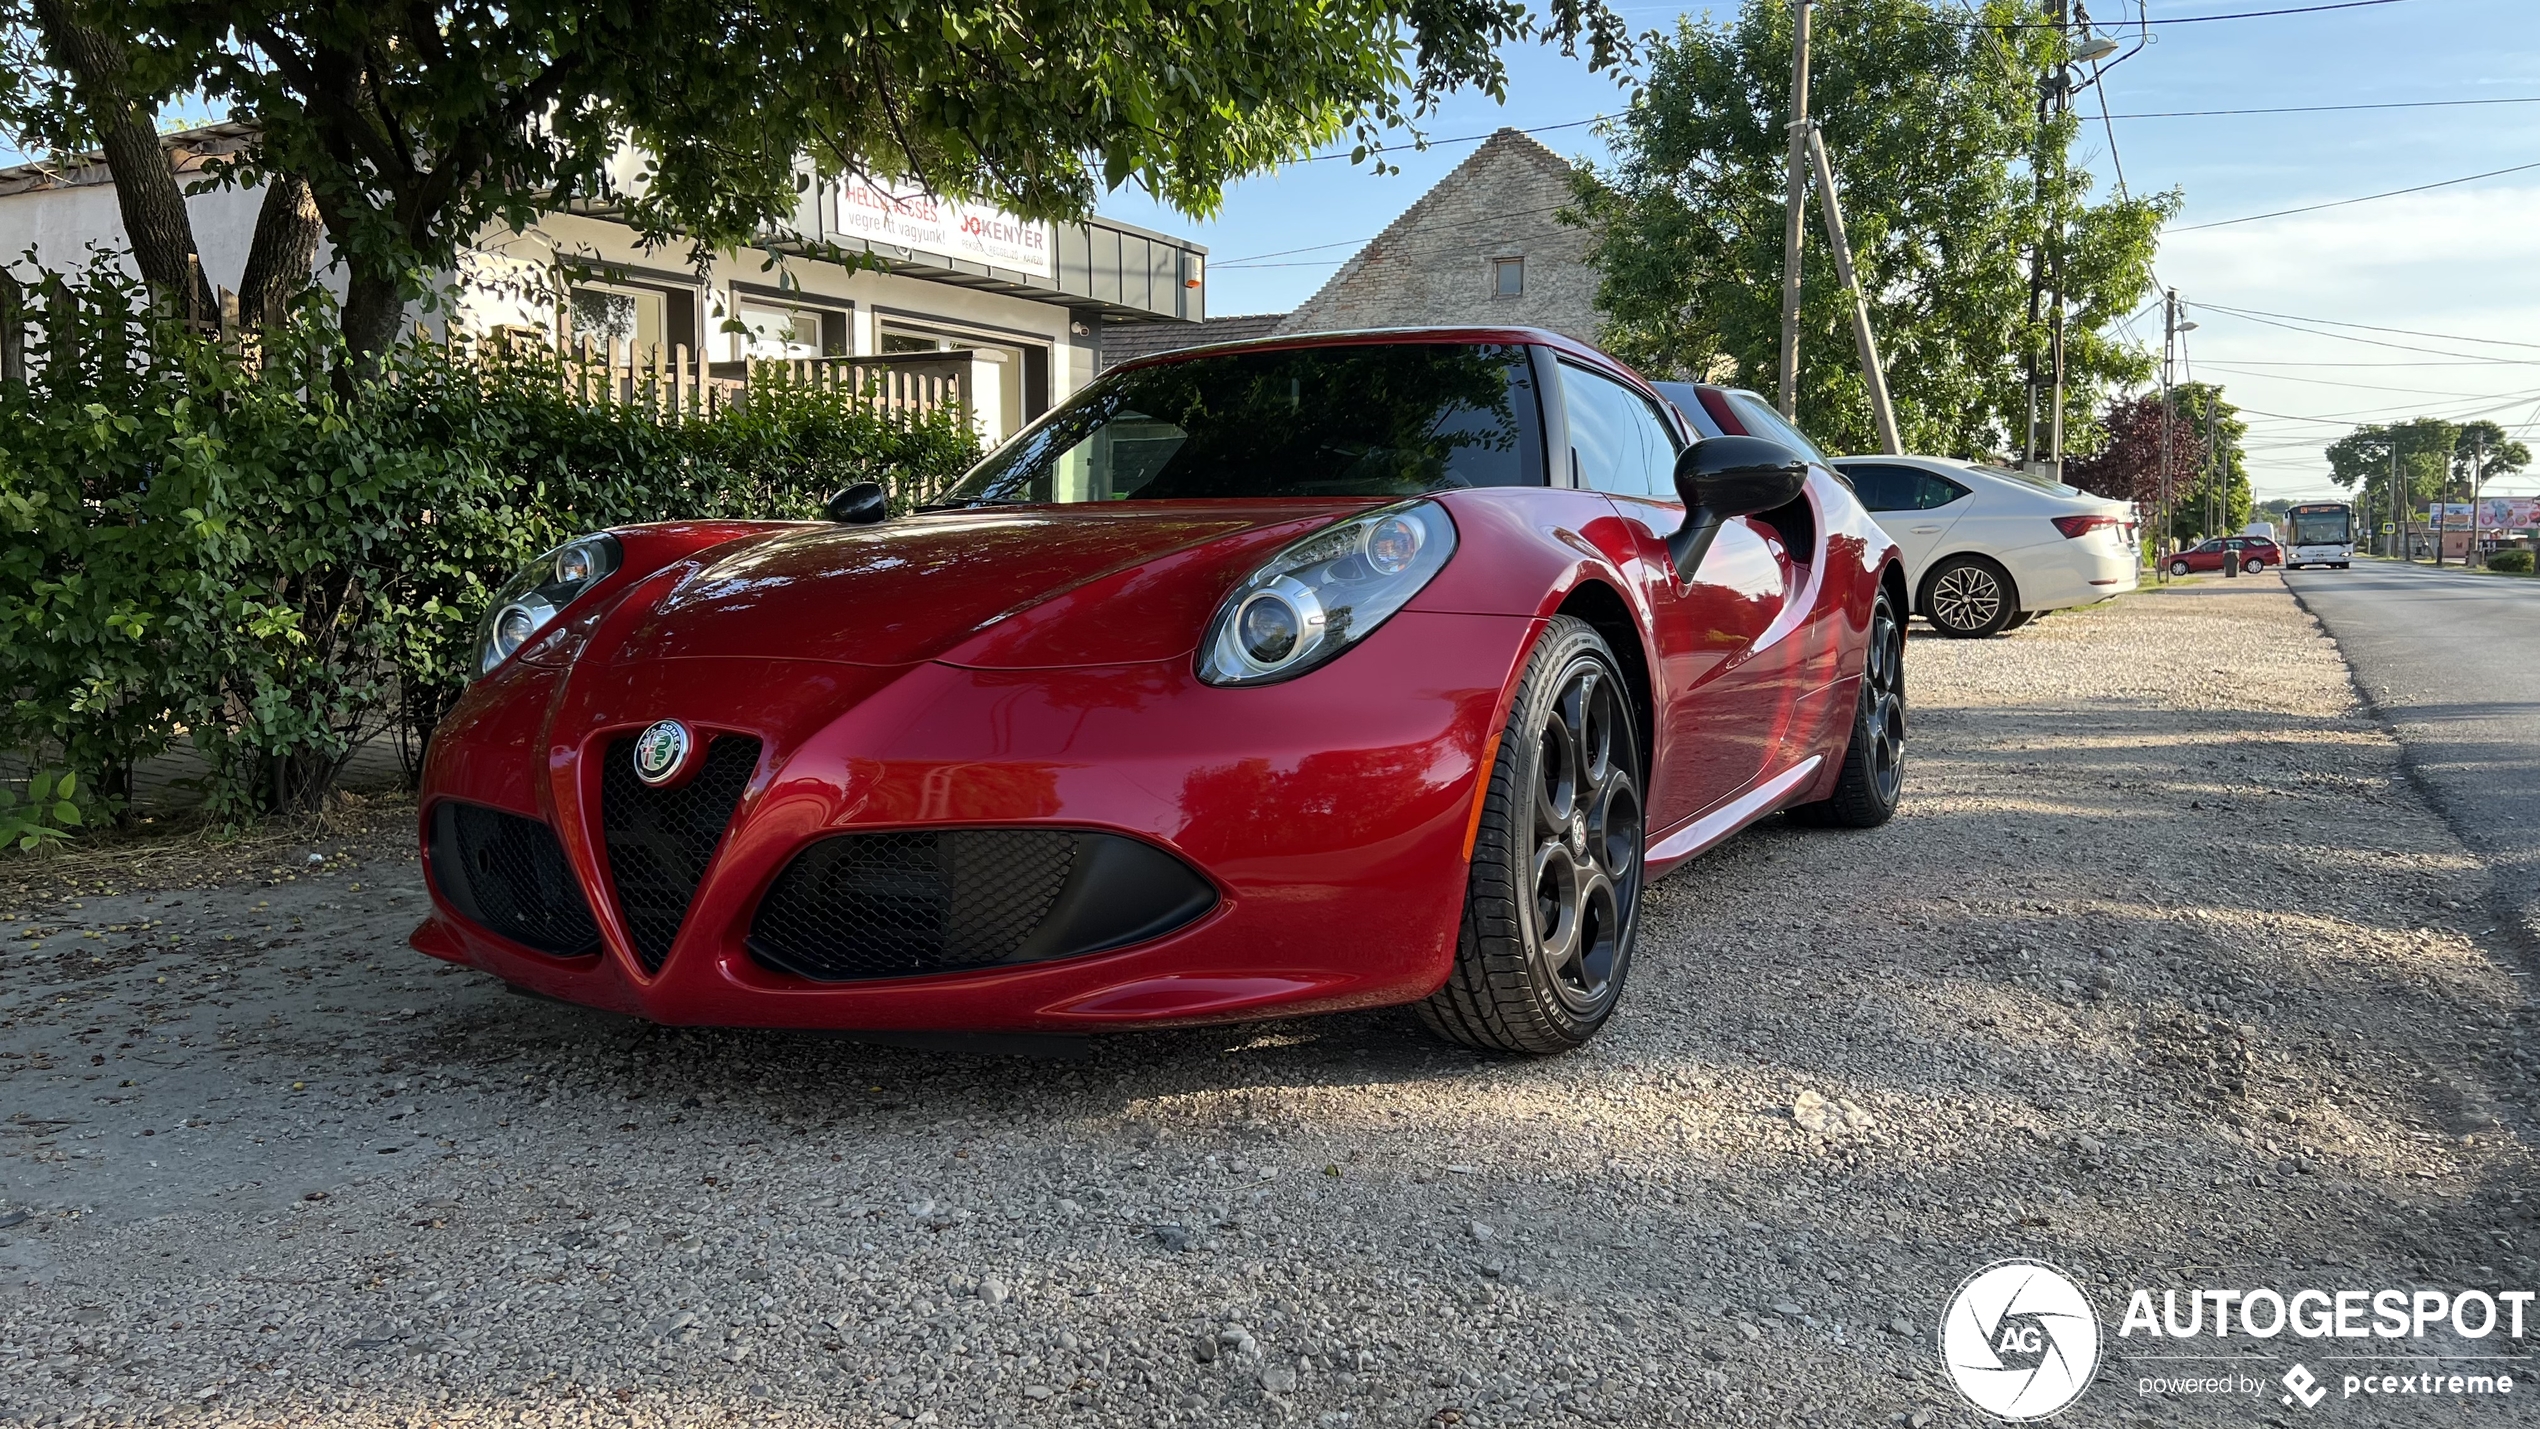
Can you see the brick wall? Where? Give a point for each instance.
(1433, 266)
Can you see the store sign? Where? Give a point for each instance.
(918, 219)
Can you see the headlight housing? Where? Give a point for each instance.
(531, 600)
(1321, 595)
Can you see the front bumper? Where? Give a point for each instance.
(1328, 814)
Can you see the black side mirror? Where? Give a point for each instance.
(1721, 477)
(860, 505)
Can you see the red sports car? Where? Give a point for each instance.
(1266, 679)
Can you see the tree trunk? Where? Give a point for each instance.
(373, 312)
(284, 252)
(153, 207)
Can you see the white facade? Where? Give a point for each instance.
(1033, 331)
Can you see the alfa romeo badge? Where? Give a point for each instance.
(661, 751)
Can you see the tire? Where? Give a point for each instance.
(1873, 779)
(1553, 900)
(2018, 619)
(2179, 568)
(2256, 568)
(1968, 598)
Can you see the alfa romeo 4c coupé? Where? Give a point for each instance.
(1258, 680)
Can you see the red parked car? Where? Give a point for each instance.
(2257, 553)
(1272, 678)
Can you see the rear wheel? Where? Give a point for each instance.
(1553, 899)
(1968, 598)
(2251, 568)
(1873, 778)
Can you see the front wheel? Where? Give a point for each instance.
(1873, 779)
(2178, 568)
(1968, 598)
(1553, 899)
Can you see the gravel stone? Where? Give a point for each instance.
(2295, 1048)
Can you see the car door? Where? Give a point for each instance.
(1915, 507)
(1716, 717)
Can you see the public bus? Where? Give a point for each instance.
(2319, 533)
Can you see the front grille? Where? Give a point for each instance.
(855, 906)
(893, 905)
(508, 875)
(660, 840)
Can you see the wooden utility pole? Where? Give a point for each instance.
(2169, 354)
(1793, 219)
(2055, 222)
(2477, 477)
(1873, 375)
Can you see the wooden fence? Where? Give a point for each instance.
(675, 382)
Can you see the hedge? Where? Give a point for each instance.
(275, 560)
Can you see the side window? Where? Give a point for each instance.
(1886, 488)
(1936, 491)
(1619, 441)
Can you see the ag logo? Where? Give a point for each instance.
(2020, 1340)
(661, 751)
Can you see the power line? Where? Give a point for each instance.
(2368, 327)
(1459, 139)
(2373, 341)
(2366, 198)
(2178, 20)
(2323, 108)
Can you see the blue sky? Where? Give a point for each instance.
(2462, 261)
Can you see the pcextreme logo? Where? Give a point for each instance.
(2020, 1340)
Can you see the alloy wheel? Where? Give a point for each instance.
(1587, 838)
(1887, 704)
(1966, 598)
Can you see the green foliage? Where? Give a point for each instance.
(271, 562)
(418, 125)
(1948, 182)
(43, 812)
(2514, 562)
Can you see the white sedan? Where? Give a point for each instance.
(1987, 547)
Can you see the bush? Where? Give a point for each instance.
(2513, 563)
(273, 559)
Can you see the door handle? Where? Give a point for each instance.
(1924, 530)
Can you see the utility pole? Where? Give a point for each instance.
(1793, 220)
(2477, 477)
(2169, 354)
(2398, 542)
(2063, 106)
(2442, 511)
(1873, 376)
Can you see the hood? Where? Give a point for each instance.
(1008, 587)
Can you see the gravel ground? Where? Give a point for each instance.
(2163, 975)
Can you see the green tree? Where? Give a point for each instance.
(2482, 452)
(2426, 450)
(1936, 142)
(2210, 491)
(417, 125)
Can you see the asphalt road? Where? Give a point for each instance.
(2452, 659)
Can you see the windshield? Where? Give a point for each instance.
(1393, 419)
(2318, 528)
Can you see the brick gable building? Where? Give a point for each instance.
(1484, 246)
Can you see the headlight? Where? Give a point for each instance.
(1318, 596)
(530, 601)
